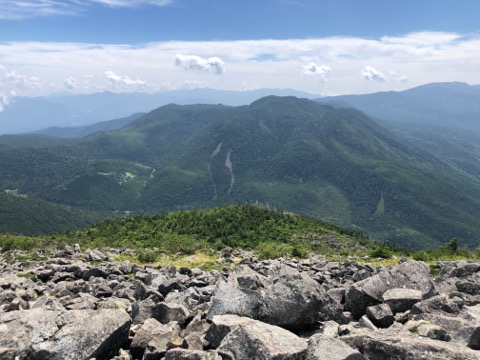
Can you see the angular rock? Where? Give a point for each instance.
(172, 311)
(401, 300)
(366, 323)
(321, 347)
(222, 325)
(409, 274)
(380, 315)
(48, 303)
(240, 295)
(56, 335)
(257, 340)
(96, 255)
(156, 337)
(471, 286)
(436, 304)
(148, 308)
(433, 332)
(329, 328)
(463, 328)
(292, 301)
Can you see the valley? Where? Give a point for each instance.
(410, 185)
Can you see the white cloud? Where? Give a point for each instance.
(194, 62)
(22, 81)
(395, 76)
(318, 70)
(71, 83)
(21, 9)
(12, 9)
(132, 3)
(13, 83)
(371, 74)
(124, 82)
(424, 57)
(6, 97)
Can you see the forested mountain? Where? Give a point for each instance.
(27, 216)
(29, 114)
(294, 154)
(441, 118)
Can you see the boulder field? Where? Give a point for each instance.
(74, 304)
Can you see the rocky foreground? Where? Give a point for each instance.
(81, 305)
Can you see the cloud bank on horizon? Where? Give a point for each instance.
(331, 65)
(321, 64)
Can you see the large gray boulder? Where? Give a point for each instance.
(55, 335)
(462, 327)
(156, 337)
(292, 301)
(401, 300)
(410, 274)
(260, 341)
(321, 347)
(380, 315)
(240, 295)
(221, 326)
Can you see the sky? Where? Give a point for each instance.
(324, 47)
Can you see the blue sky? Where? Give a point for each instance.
(101, 21)
(323, 47)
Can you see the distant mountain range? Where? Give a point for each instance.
(29, 114)
(454, 105)
(329, 162)
(442, 118)
(81, 131)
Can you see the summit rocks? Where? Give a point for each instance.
(79, 306)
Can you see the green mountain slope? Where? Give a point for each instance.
(294, 154)
(22, 215)
(335, 164)
(31, 141)
(81, 131)
(239, 226)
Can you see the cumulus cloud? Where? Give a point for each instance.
(71, 83)
(397, 77)
(6, 97)
(194, 62)
(371, 74)
(423, 61)
(13, 83)
(124, 82)
(22, 81)
(318, 70)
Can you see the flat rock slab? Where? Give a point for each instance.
(413, 348)
(260, 341)
(401, 300)
(322, 347)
